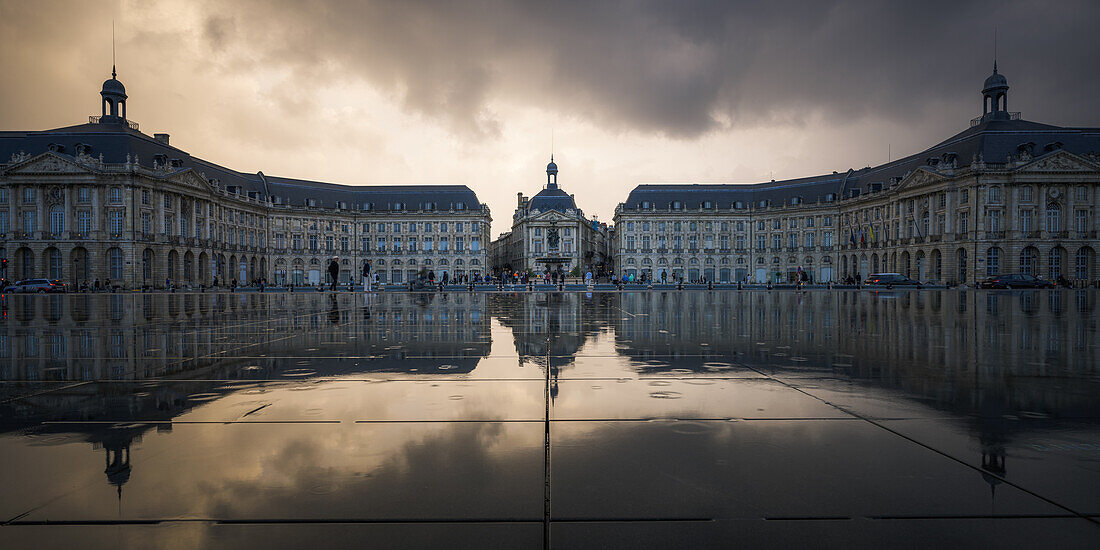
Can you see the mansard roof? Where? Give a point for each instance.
(117, 141)
(991, 141)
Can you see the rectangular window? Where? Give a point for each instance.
(146, 222)
(30, 194)
(4, 221)
(83, 195)
(1080, 220)
(1025, 193)
(344, 244)
(443, 244)
(964, 222)
(183, 227)
(116, 222)
(30, 221)
(828, 222)
(328, 243)
(475, 244)
(827, 238)
(809, 240)
(168, 226)
(313, 243)
(428, 243)
(167, 201)
(761, 242)
(964, 196)
(460, 244)
(994, 220)
(145, 196)
(3, 195)
(380, 244)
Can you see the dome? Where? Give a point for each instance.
(995, 80)
(114, 87)
(552, 168)
(552, 199)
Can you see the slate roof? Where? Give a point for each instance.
(992, 141)
(115, 141)
(552, 199)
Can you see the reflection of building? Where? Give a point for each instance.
(1005, 195)
(549, 232)
(103, 200)
(960, 350)
(182, 336)
(554, 323)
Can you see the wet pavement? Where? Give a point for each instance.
(935, 418)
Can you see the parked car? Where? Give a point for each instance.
(37, 285)
(1015, 280)
(890, 280)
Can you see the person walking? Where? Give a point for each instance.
(366, 275)
(333, 272)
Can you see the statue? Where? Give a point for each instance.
(552, 237)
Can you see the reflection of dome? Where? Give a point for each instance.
(552, 198)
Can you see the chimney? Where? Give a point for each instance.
(163, 138)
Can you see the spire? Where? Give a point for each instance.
(113, 74)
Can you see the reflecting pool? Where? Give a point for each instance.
(935, 418)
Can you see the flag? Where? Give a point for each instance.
(862, 236)
(872, 228)
(851, 236)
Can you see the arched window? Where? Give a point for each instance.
(1081, 264)
(1054, 265)
(993, 262)
(1054, 217)
(114, 261)
(1027, 261)
(57, 219)
(53, 257)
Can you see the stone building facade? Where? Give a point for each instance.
(104, 201)
(549, 231)
(1005, 195)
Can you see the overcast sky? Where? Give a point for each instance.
(471, 92)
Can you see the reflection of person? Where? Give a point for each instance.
(334, 310)
(333, 272)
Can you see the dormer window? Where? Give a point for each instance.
(738, 205)
(762, 204)
(397, 206)
(676, 205)
(830, 197)
(708, 205)
(796, 200)
(460, 206)
(645, 205)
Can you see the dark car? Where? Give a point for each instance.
(37, 285)
(890, 280)
(1015, 280)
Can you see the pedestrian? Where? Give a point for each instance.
(366, 275)
(333, 272)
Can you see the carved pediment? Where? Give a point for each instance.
(1059, 161)
(190, 178)
(48, 163)
(920, 177)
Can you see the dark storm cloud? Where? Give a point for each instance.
(680, 68)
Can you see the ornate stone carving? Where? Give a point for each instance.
(1057, 163)
(54, 195)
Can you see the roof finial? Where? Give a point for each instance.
(994, 50)
(113, 75)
